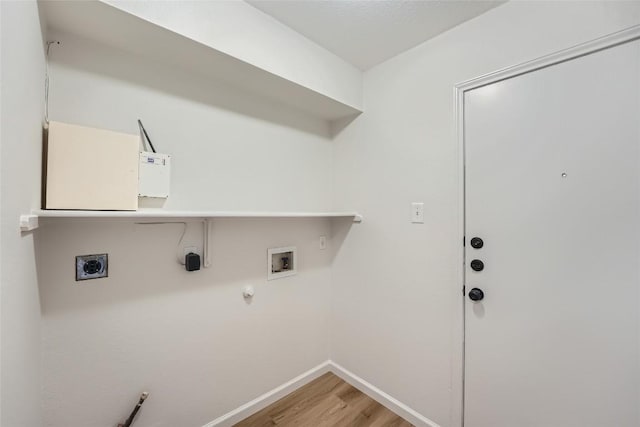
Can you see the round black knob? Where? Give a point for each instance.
(477, 243)
(476, 294)
(477, 265)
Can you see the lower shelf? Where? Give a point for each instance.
(30, 221)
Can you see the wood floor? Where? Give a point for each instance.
(327, 401)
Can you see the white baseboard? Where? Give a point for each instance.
(261, 402)
(381, 397)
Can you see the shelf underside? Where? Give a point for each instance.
(109, 25)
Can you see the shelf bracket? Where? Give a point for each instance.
(206, 224)
(28, 222)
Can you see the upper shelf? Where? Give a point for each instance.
(30, 222)
(109, 25)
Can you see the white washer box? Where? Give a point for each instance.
(90, 169)
(282, 262)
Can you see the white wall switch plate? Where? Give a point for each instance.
(417, 213)
(323, 242)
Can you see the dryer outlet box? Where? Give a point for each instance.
(154, 176)
(90, 169)
(92, 266)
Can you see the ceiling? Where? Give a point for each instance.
(368, 32)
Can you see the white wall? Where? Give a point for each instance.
(22, 71)
(396, 285)
(244, 32)
(230, 150)
(188, 338)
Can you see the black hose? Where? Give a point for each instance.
(129, 421)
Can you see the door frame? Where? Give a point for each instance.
(583, 49)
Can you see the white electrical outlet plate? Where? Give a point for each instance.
(281, 262)
(92, 266)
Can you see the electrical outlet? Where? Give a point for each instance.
(92, 266)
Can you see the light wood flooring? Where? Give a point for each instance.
(327, 401)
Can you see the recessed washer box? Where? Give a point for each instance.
(90, 169)
(281, 262)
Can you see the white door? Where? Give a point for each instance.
(552, 169)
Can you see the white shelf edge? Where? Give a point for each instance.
(30, 221)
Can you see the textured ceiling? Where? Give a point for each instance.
(368, 32)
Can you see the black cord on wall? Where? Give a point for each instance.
(146, 136)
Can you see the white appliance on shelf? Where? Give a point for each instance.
(154, 175)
